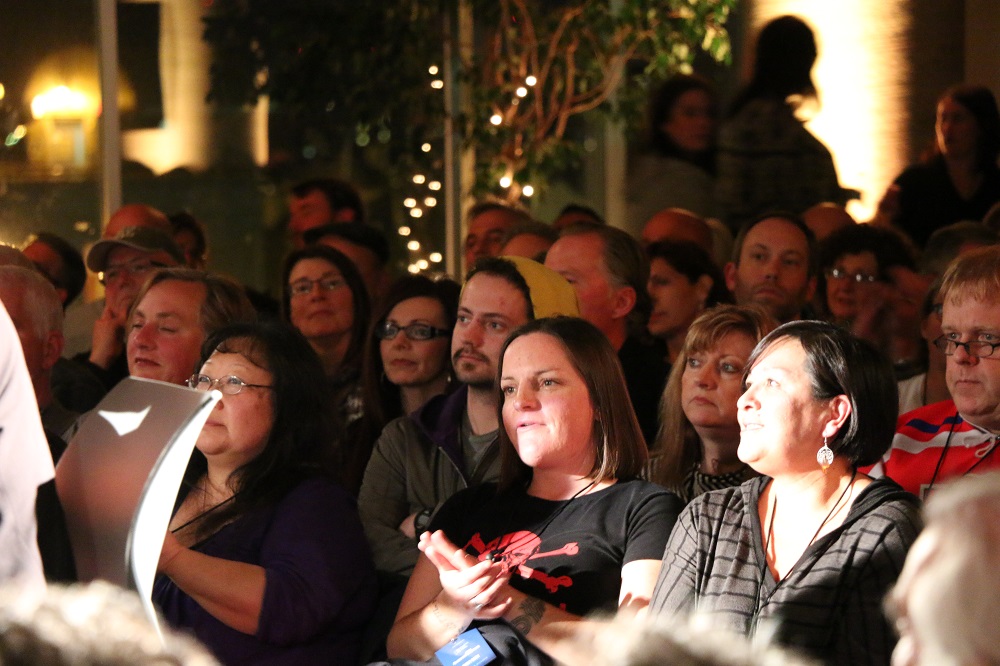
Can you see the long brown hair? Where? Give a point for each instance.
(678, 446)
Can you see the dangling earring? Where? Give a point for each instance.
(825, 455)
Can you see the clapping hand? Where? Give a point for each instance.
(476, 590)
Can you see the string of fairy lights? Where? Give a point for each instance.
(421, 203)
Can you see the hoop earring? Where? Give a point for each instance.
(825, 455)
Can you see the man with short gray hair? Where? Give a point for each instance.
(608, 269)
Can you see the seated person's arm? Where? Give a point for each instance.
(448, 586)
(549, 628)
(384, 506)
(233, 592)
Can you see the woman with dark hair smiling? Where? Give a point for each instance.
(265, 560)
(807, 551)
(570, 529)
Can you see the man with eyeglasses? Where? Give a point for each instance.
(123, 262)
(450, 443)
(960, 436)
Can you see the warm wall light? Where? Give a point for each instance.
(62, 101)
(862, 74)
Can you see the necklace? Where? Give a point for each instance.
(496, 553)
(758, 605)
(204, 513)
(833, 509)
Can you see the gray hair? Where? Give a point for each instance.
(679, 641)
(41, 303)
(97, 624)
(949, 585)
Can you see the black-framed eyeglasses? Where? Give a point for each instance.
(388, 331)
(228, 385)
(860, 278)
(133, 268)
(976, 348)
(305, 285)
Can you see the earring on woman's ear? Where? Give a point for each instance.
(825, 455)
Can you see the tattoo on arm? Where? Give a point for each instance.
(531, 612)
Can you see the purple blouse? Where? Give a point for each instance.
(320, 590)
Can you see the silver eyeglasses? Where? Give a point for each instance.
(228, 385)
(976, 348)
(838, 274)
(305, 285)
(388, 331)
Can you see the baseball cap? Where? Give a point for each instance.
(144, 239)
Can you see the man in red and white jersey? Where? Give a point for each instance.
(959, 436)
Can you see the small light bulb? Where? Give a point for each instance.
(531, 80)
(432, 70)
(436, 257)
(430, 202)
(521, 91)
(505, 181)
(437, 84)
(413, 268)
(419, 179)
(405, 231)
(423, 265)
(527, 190)
(409, 202)
(426, 147)
(496, 119)
(413, 245)
(416, 212)
(434, 185)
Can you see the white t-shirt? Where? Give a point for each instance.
(25, 463)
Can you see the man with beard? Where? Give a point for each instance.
(451, 442)
(774, 265)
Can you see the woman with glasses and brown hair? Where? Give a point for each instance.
(407, 357)
(325, 299)
(265, 560)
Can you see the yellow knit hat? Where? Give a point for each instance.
(551, 294)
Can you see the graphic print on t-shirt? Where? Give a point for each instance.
(513, 550)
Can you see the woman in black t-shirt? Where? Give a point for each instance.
(570, 529)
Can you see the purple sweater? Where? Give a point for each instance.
(320, 589)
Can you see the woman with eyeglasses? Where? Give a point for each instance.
(325, 299)
(407, 358)
(265, 560)
(862, 269)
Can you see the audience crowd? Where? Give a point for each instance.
(589, 447)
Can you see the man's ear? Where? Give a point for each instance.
(810, 289)
(702, 288)
(622, 302)
(730, 274)
(52, 349)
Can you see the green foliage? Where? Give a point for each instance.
(357, 72)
